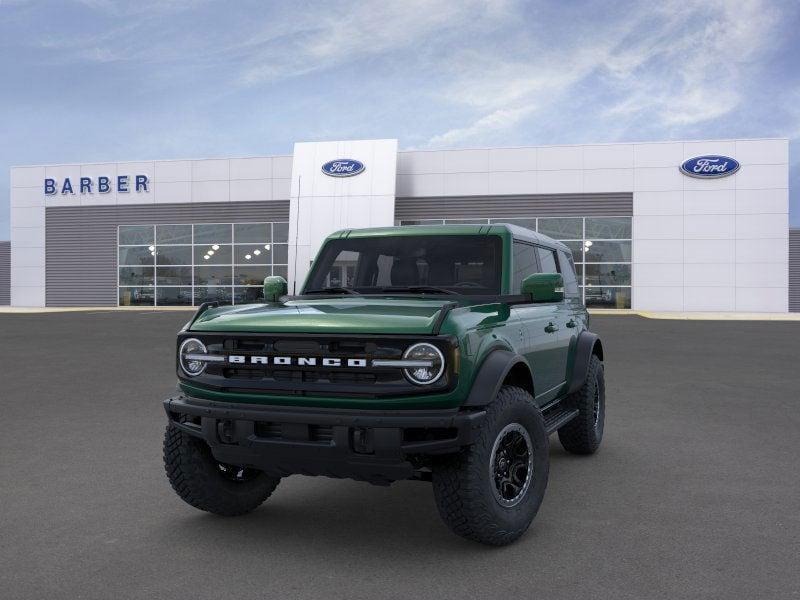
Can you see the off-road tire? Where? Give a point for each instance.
(584, 433)
(198, 479)
(463, 484)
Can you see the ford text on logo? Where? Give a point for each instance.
(710, 166)
(103, 185)
(343, 167)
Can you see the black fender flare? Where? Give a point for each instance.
(490, 377)
(588, 343)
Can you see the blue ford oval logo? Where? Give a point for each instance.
(710, 166)
(343, 167)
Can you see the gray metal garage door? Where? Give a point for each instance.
(508, 207)
(794, 270)
(82, 242)
(5, 273)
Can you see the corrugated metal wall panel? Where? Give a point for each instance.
(5, 273)
(507, 207)
(82, 241)
(794, 270)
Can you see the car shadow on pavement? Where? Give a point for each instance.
(319, 512)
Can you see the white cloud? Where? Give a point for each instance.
(500, 119)
(672, 64)
(308, 41)
(792, 103)
(697, 73)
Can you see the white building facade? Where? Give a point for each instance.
(645, 234)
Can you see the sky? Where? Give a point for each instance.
(97, 80)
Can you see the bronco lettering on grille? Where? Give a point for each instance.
(300, 361)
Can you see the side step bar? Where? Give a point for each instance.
(557, 417)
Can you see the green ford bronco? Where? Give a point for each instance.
(438, 353)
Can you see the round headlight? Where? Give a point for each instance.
(429, 356)
(190, 347)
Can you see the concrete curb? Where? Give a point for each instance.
(31, 311)
(698, 316)
(676, 316)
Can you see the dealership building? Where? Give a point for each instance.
(662, 226)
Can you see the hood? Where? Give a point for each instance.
(329, 315)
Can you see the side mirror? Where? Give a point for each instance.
(544, 287)
(275, 287)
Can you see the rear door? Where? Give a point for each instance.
(559, 323)
(574, 310)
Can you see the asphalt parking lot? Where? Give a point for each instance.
(694, 494)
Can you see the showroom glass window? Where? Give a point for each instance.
(187, 264)
(601, 251)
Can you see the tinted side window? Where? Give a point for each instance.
(568, 272)
(524, 264)
(547, 258)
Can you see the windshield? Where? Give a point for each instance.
(417, 264)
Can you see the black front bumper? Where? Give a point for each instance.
(375, 446)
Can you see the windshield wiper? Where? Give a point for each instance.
(418, 289)
(332, 290)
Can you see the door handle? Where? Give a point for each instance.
(551, 328)
(571, 323)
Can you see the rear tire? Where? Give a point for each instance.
(491, 491)
(209, 485)
(584, 433)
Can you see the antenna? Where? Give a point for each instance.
(296, 236)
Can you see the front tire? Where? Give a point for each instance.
(491, 491)
(209, 485)
(584, 433)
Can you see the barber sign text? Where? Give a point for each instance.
(122, 184)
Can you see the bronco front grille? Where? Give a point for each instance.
(353, 374)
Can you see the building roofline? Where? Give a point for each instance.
(624, 143)
(404, 150)
(161, 160)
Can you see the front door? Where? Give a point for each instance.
(544, 345)
(558, 315)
